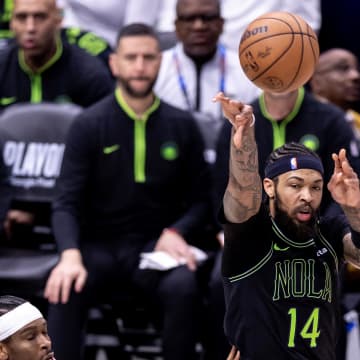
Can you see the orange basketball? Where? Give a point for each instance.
(278, 51)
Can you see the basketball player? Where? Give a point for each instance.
(281, 260)
(23, 331)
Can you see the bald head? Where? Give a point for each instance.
(330, 58)
(36, 25)
(337, 78)
(50, 4)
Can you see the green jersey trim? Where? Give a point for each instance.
(288, 241)
(139, 134)
(254, 269)
(279, 129)
(35, 76)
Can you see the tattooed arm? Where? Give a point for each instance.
(345, 190)
(242, 197)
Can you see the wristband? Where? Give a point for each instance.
(355, 237)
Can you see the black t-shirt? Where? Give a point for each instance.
(281, 295)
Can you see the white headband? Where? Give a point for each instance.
(17, 318)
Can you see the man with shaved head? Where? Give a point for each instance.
(337, 80)
(40, 67)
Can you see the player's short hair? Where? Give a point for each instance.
(137, 29)
(178, 3)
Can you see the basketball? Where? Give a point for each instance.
(278, 51)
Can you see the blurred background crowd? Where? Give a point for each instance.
(112, 148)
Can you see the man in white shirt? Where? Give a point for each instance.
(199, 66)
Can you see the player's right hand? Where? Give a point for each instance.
(240, 116)
(69, 272)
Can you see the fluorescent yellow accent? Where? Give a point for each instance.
(110, 149)
(278, 248)
(35, 77)
(279, 129)
(139, 134)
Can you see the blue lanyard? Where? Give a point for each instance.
(181, 79)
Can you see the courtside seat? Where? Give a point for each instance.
(33, 137)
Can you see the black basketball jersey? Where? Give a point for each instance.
(281, 295)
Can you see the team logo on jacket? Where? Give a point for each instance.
(169, 151)
(310, 141)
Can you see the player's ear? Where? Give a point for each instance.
(3, 352)
(113, 64)
(269, 187)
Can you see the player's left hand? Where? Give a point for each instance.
(344, 183)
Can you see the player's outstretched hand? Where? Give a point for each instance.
(344, 183)
(239, 114)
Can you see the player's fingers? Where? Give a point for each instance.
(52, 288)
(347, 168)
(341, 158)
(191, 261)
(80, 281)
(65, 289)
(337, 165)
(220, 97)
(342, 154)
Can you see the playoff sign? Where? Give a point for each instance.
(33, 137)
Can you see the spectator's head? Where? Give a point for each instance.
(136, 61)
(198, 26)
(36, 25)
(23, 331)
(337, 78)
(293, 184)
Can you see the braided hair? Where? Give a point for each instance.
(288, 149)
(9, 302)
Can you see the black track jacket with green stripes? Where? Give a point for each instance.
(71, 75)
(123, 176)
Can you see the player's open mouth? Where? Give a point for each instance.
(303, 215)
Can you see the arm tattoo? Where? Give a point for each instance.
(242, 198)
(351, 252)
(353, 217)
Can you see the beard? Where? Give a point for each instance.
(139, 94)
(301, 232)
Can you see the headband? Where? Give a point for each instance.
(293, 162)
(17, 318)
